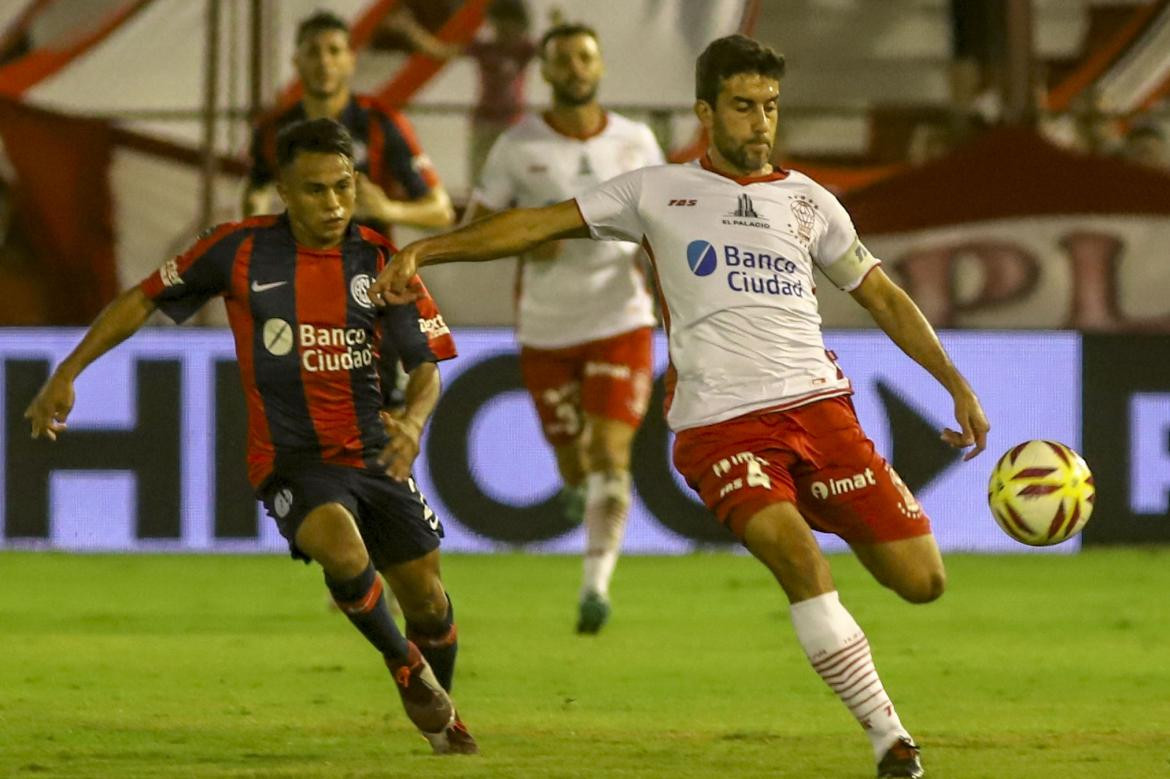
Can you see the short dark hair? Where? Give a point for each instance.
(320, 21)
(730, 56)
(313, 135)
(565, 30)
(508, 11)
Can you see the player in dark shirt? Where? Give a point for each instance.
(331, 467)
(396, 183)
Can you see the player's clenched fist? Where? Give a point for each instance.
(50, 407)
(392, 284)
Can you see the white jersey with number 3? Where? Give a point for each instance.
(590, 291)
(734, 259)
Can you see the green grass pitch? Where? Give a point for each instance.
(186, 666)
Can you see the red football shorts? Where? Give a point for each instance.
(816, 456)
(609, 378)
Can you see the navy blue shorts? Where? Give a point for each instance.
(393, 517)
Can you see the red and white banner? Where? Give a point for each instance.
(1011, 232)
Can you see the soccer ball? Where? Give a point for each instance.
(1041, 493)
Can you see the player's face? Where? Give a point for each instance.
(572, 66)
(319, 189)
(325, 62)
(742, 125)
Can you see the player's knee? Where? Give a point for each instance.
(927, 587)
(608, 448)
(343, 560)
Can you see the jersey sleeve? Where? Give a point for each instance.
(496, 189)
(404, 158)
(610, 209)
(184, 283)
(416, 330)
(837, 250)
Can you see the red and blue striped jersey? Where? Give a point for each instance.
(307, 336)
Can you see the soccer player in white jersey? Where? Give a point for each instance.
(766, 431)
(583, 310)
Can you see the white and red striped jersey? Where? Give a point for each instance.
(589, 291)
(734, 260)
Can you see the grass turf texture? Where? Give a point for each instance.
(231, 666)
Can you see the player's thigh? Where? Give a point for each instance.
(419, 588)
(608, 443)
(615, 387)
(329, 534)
(395, 520)
(845, 487)
(552, 378)
(780, 538)
(911, 567)
(322, 498)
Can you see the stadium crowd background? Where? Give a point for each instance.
(873, 90)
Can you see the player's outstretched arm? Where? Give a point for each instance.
(405, 426)
(117, 322)
(432, 210)
(502, 235)
(904, 323)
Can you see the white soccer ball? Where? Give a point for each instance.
(1041, 493)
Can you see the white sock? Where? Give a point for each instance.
(607, 502)
(839, 651)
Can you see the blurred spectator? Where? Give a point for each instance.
(1086, 127)
(501, 59)
(412, 25)
(928, 142)
(975, 95)
(1145, 144)
(396, 182)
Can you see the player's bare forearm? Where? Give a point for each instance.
(421, 38)
(501, 235)
(422, 394)
(433, 210)
(405, 427)
(902, 320)
(117, 322)
(49, 409)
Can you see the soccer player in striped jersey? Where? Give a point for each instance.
(396, 182)
(330, 466)
(583, 310)
(766, 432)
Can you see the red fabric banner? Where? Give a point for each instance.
(64, 213)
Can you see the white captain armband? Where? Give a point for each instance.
(848, 270)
